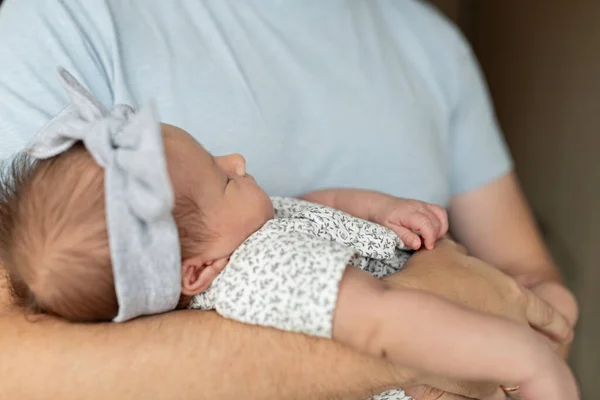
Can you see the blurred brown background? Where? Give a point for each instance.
(542, 62)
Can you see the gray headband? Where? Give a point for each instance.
(143, 239)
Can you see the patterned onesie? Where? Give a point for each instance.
(287, 274)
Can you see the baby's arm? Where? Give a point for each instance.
(403, 216)
(356, 202)
(434, 335)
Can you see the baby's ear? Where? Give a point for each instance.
(197, 274)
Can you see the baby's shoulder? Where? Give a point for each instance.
(286, 207)
(282, 237)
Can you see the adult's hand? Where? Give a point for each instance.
(496, 217)
(451, 273)
(563, 301)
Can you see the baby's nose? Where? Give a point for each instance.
(234, 164)
(240, 164)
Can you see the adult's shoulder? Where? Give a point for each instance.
(434, 42)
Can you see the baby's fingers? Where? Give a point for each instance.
(442, 217)
(408, 237)
(426, 224)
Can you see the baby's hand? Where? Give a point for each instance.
(405, 217)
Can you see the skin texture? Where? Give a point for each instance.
(423, 330)
(371, 316)
(490, 291)
(401, 215)
(233, 207)
(499, 210)
(235, 359)
(43, 360)
(173, 335)
(232, 360)
(225, 198)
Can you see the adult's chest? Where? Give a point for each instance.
(311, 102)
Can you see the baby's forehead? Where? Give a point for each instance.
(177, 140)
(183, 151)
(190, 165)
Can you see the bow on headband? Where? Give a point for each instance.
(143, 238)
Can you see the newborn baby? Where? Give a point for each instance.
(58, 223)
(120, 217)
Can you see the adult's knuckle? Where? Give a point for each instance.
(545, 314)
(515, 293)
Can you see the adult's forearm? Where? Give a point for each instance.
(545, 281)
(187, 354)
(497, 225)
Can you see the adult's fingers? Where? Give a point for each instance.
(555, 346)
(543, 317)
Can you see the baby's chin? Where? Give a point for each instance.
(268, 214)
(270, 211)
(266, 206)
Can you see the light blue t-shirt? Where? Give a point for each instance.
(374, 94)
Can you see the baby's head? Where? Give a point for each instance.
(53, 231)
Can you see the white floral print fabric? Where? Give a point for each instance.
(287, 274)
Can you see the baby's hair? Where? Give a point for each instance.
(53, 240)
(53, 235)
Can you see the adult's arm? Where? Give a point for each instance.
(180, 355)
(187, 354)
(495, 223)
(490, 291)
(488, 213)
(197, 355)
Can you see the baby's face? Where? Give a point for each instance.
(232, 203)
